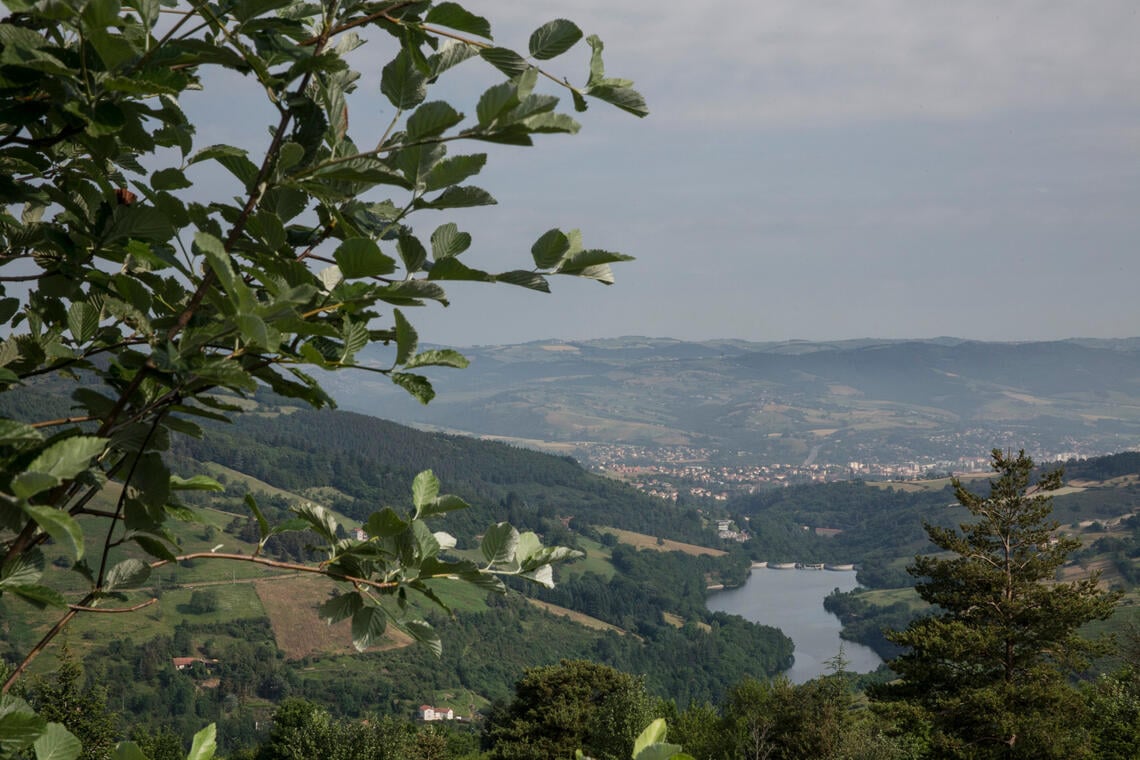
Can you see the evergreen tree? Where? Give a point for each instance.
(988, 670)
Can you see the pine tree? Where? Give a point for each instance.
(989, 669)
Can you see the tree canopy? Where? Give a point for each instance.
(164, 306)
(988, 669)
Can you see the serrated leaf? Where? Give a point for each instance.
(417, 385)
(444, 357)
(505, 60)
(453, 170)
(169, 179)
(454, 269)
(406, 338)
(361, 257)
(14, 433)
(461, 196)
(205, 744)
(128, 751)
(385, 523)
(496, 101)
(19, 725)
(195, 483)
(554, 38)
(233, 159)
(549, 249)
(402, 82)
(499, 543)
(524, 279)
(23, 569)
(59, 525)
(355, 337)
(412, 252)
(368, 625)
(454, 16)
(543, 575)
(39, 597)
(153, 547)
(442, 504)
(57, 743)
(319, 519)
(126, 574)
(82, 321)
(423, 632)
(28, 484)
(448, 241)
(432, 119)
(625, 98)
(67, 458)
(340, 607)
(451, 54)
(425, 488)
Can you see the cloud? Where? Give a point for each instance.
(796, 63)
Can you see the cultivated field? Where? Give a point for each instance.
(291, 604)
(642, 541)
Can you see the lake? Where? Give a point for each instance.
(792, 600)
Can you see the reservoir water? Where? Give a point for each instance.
(792, 600)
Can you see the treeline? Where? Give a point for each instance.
(372, 462)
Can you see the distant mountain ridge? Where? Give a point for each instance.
(941, 398)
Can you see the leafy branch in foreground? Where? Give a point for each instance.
(167, 307)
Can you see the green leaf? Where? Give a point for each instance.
(195, 483)
(412, 252)
(233, 159)
(453, 170)
(554, 38)
(19, 725)
(319, 519)
(524, 279)
(451, 54)
(262, 523)
(625, 98)
(361, 257)
(128, 751)
(126, 574)
(340, 607)
(454, 269)
(447, 241)
(549, 249)
(14, 433)
(23, 569)
(425, 488)
(57, 743)
(653, 734)
(417, 385)
(355, 336)
(445, 357)
(169, 179)
(505, 60)
(499, 543)
(59, 525)
(406, 338)
(82, 321)
(28, 484)
(205, 744)
(442, 504)
(385, 523)
(153, 547)
(432, 119)
(461, 196)
(40, 597)
(454, 16)
(422, 631)
(368, 625)
(496, 101)
(402, 82)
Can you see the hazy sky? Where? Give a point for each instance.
(827, 170)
